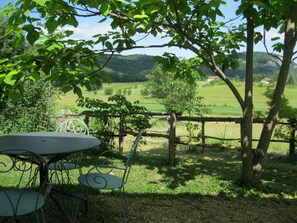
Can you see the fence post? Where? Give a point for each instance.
(63, 114)
(121, 133)
(87, 119)
(172, 133)
(203, 132)
(292, 139)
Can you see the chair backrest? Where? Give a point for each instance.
(73, 126)
(112, 167)
(19, 174)
(131, 156)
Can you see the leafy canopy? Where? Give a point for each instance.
(195, 25)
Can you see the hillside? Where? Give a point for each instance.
(264, 65)
(134, 68)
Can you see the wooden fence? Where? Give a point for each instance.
(174, 139)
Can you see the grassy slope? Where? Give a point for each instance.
(217, 97)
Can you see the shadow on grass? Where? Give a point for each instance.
(215, 170)
(158, 208)
(190, 164)
(279, 176)
(212, 166)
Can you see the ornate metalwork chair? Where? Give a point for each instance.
(111, 175)
(60, 171)
(20, 192)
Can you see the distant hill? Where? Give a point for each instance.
(264, 65)
(134, 68)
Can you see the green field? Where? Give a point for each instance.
(218, 98)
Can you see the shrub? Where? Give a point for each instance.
(108, 91)
(33, 112)
(144, 92)
(108, 116)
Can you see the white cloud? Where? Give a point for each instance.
(87, 29)
(273, 33)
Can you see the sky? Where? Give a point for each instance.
(88, 27)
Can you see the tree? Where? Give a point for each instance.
(285, 20)
(6, 43)
(175, 94)
(195, 25)
(34, 111)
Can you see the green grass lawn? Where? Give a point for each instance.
(203, 182)
(202, 186)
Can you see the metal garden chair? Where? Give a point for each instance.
(20, 192)
(111, 176)
(60, 170)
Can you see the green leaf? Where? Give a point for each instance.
(104, 9)
(13, 95)
(77, 91)
(275, 38)
(51, 25)
(28, 28)
(40, 2)
(66, 88)
(10, 78)
(141, 16)
(108, 45)
(27, 13)
(69, 32)
(70, 20)
(34, 76)
(153, 8)
(19, 40)
(32, 37)
(3, 60)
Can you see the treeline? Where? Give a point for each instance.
(134, 68)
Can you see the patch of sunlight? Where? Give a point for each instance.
(212, 158)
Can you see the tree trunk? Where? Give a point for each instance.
(272, 118)
(172, 134)
(247, 120)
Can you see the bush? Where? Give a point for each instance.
(108, 116)
(33, 112)
(108, 91)
(144, 92)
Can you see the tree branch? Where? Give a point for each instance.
(101, 68)
(266, 48)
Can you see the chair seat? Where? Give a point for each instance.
(16, 202)
(101, 181)
(63, 166)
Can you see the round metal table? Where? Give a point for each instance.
(54, 145)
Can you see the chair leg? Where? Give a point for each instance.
(61, 178)
(125, 202)
(122, 205)
(71, 198)
(5, 220)
(41, 215)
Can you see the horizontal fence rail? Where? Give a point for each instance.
(174, 139)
